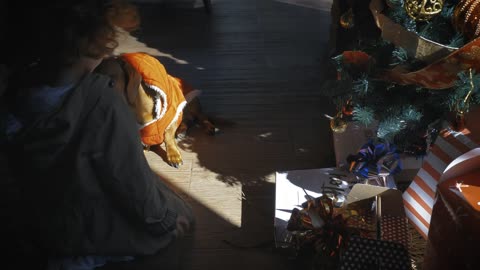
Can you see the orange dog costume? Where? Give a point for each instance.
(169, 97)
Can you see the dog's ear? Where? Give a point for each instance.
(126, 79)
(133, 81)
(112, 68)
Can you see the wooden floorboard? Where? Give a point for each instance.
(260, 64)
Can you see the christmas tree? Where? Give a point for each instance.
(407, 111)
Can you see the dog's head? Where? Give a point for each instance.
(126, 80)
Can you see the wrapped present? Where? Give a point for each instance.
(420, 195)
(392, 228)
(454, 229)
(386, 218)
(395, 229)
(369, 212)
(322, 230)
(294, 188)
(369, 254)
(365, 224)
(329, 231)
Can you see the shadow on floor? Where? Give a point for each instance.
(260, 65)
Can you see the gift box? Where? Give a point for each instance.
(385, 220)
(392, 228)
(386, 241)
(293, 188)
(371, 212)
(419, 197)
(369, 254)
(455, 224)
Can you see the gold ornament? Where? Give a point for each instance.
(466, 18)
(338, 124)
(347, 19)
(423, 10)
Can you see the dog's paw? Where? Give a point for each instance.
(174, 157)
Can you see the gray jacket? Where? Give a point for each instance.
(84, 184)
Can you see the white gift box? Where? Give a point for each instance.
(292, 188)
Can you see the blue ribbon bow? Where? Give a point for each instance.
(375, 159)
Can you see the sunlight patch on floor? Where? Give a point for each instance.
(223, 199)
(202, 185)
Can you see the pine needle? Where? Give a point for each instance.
(363, 115)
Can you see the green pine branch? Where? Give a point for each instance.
(363, 114)
(362, 86)
(456, 99)
(399, 56)
(397, 120)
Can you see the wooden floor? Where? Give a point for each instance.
(260, 65)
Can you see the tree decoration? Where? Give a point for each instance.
(399, 15)
(347, 20)
(356, 61)
(338, 123)
(466, 18)
(407, 77)
(423, 10)
(423, 40)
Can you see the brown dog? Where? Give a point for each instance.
(158, 100)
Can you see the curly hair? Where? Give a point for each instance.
(63, 30)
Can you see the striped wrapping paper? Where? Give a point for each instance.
(420, 195)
